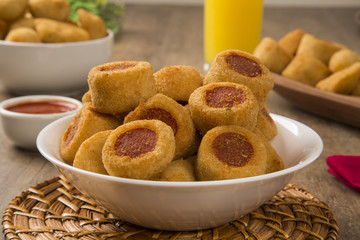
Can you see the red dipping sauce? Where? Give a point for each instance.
(42, 107)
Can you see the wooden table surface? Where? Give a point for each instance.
(172, 35)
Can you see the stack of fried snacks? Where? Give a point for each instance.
(320, 63)
(47, 21)
(175, 124)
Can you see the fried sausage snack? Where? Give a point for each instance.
(140, 149)
(167, 110)
(180, 170)
(178, 82)
(85, 123)
(228, 152)
(53, 9)
(241, 67)
(89, 155)
(274, 161)
(86, 97)
(223, 103)
(266, 124)
(52, 31)
(92, 23)
(118, 87)
(272, 55)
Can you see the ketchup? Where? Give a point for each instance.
(42, 107)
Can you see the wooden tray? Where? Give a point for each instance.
(56, 210)
(337, 107)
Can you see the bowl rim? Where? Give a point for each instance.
(20, 99)
(174, 184)
(110, 35)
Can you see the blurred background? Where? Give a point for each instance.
(310, 3)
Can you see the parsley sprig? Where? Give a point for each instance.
(109, 11)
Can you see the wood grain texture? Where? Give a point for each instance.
(169, 35)
(337, 107)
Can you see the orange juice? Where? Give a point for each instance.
(231, 24)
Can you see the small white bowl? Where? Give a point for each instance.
(187, 205)
(23, 128)
(51, 68)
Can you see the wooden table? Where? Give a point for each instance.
(172, 35)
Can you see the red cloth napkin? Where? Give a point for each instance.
(346, 169)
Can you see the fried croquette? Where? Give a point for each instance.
(52, 31)
(356, 90)
(4, 28)
(118, 87)
(86, 97)
(243, 68)
(178, 82)
(290, 42)
(89, 155)
(223, 103)
(140, 149)
(92, 23)
(85, 123)
(23, 22)
(343, 81)
(173, 114)
(318, 48)
(53, 9)
(272, 55)
(180, 170)
(11, 10)
(23, 34)
(274, 162)
(266, 124)
(342, 59)
(306, 69)
(228, 152)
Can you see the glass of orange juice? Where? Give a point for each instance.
(231, 24)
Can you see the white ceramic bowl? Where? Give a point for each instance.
(50, 68)
(23, 128)
(187, 205)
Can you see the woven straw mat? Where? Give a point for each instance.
(56, 210)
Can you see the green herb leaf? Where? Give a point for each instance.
(110, 12)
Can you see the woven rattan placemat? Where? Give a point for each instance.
(56, 210)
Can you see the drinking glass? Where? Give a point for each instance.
(231, 24)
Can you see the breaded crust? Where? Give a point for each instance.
(89, 155)
(178, 82)
(228, 152)
(243, 68)
(85, 123)
(223, 103)
(119, 87)
(140, 149)
(172, 113)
